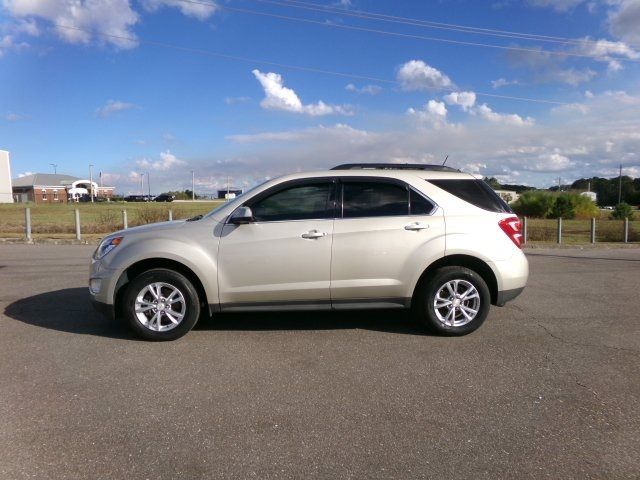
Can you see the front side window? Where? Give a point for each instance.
(300, 202)
(374, 199)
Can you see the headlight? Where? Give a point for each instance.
(106, 246)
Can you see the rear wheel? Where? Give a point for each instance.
(453, 301)
(161, 305)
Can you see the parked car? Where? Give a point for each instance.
(164, 197)
(427, 238)
(138, 198)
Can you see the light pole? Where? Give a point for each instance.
(55, 168)
(91, 180)
(142, 184)
(149, 185)
(193, 186)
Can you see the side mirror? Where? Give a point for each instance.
(241, 216)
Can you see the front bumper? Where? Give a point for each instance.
(107, 310)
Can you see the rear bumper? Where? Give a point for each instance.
(507, 295)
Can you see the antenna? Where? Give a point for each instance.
(445, 159)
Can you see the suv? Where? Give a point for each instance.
(428, 238)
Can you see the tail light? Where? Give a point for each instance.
(513, 228)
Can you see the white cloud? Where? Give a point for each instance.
(558, 5)
(200, 10)
(235, 100)
(166, 162)
(624, 21)
(15, 117)
(417, 75)
(367, 89)
(507, 118)
(608, 51)
(113, 106)
(465, 100)
(279, 97)
(104, 17)
(7, 43)
(503, 82)
(549, 68)
(433, 112)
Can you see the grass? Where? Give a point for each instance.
(579, 231)
(98, 218)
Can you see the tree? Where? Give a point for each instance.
(562, 207)
(623, 210)
(534, 203)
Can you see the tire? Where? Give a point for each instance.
(156, 320)
(471, 295)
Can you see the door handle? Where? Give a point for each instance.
(416, 226)
(313, 234)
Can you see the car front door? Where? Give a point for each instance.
(385, 235)
(282, 257)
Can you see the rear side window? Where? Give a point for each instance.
(475, 192)
(374, 199)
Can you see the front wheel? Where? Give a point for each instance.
(453, 301)
(161, 305)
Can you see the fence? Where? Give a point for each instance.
(580, 231)
(534, 230)
(107, 224)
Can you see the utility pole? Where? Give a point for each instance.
(91, 180)
(227, 187)
(149, 185)
(193, 186)
(559, 183)
(620, 186)
(142, 184)
(55, 168)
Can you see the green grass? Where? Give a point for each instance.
(54, 221)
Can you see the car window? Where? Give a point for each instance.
(374, 199)
(419, 204)
(476, 192)
(300, 202)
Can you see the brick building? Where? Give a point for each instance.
(55, 188)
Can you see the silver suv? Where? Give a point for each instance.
(428, 238)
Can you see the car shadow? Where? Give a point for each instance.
(69, 310)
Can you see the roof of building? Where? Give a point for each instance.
(44, 179)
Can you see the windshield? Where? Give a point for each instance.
(224, 204)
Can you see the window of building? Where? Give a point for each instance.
(55, 195)
(44, 194)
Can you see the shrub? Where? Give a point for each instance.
(149, 214)
(536, 204)
(623, 210)
(562, 207)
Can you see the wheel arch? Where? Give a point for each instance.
(141, 266)
(476, 264)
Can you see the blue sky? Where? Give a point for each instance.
(138, 86)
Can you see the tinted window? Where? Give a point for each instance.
(476, 192)
(374, 199)
(420, 205)
(295, 203)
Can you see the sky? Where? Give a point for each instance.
(239, 91)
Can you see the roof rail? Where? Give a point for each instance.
(394, 166)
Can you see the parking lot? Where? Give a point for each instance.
(548, 387)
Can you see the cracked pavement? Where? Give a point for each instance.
(548, 387)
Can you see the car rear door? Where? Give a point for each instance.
(283, 257)
(383, 238)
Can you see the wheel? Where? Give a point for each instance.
(453, 301)
(161, 305)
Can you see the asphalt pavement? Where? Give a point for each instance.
(549, 387)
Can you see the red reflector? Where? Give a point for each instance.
(513, 228)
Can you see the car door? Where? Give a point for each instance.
(281, 258)
(386, 234)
